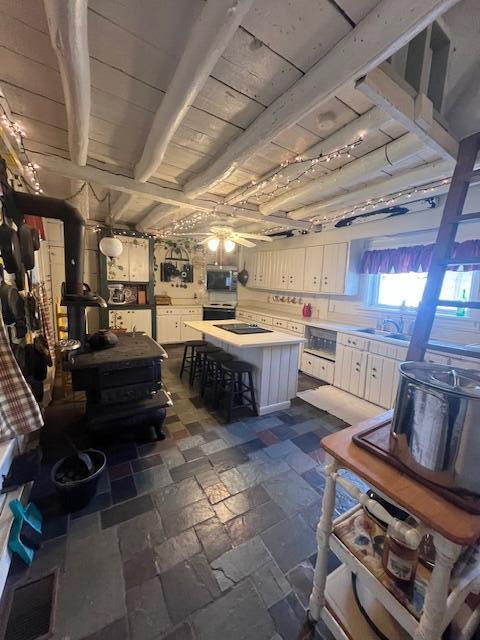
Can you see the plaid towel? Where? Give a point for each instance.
(44, 311)
(19, 411)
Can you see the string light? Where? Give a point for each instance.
(16, 131)
(277, 179)
(282, 182)
(385, 201)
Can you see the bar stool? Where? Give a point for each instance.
(212, 369)
(200, 354)
(189, 355)
(231, 381)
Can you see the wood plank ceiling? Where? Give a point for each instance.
(134, 48)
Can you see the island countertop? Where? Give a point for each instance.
(271, 339)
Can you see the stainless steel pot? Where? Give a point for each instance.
(436, 424)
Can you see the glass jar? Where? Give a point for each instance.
(400, 556)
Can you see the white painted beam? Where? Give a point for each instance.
(356, 172)
(109, 177)
(386, 29)
(67, 24)
(406, 180)
(415, 114)
(276, 220)
(119, 206)
(159, 212)
(207, 41)
(369, 121)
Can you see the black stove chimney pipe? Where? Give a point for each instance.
(74, 233)
(74, 295)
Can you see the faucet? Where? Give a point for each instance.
(398, 325)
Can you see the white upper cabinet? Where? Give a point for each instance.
(328, 269)
(334, 270)
(133, 264)
(312, 275)
(295, 261)
(139, 263)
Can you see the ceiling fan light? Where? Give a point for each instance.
(213, 244)
(229, 245)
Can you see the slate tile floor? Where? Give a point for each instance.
(208, 534)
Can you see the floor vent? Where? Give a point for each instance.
(31, 610)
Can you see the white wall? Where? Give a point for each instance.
(417, 228)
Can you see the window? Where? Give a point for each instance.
(395, 289)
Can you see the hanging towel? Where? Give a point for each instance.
(44, 311)
(19, 411)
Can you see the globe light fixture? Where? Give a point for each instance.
(228, 245)
(110, 246)
(213, 244)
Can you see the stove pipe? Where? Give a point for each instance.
(74, 295)
(73, 231)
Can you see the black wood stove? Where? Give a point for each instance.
(123, 384)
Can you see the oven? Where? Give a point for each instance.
(218, 313)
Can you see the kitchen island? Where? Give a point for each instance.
(274, 356)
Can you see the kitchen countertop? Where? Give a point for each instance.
(320, 324)
(275, 338)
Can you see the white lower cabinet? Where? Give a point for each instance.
(382, 380)
(350, 369)
(317, 367)
(187, 333)
(172, 327)
(168, 329)
(130, 319)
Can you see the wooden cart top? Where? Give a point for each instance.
(436, 512)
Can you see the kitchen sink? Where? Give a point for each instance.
(376, 332)
(399, 336)
(385, 334)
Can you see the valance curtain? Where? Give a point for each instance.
(417, 258)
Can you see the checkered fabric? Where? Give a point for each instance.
(44, 311)
(19, 411)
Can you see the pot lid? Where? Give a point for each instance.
(465, 382)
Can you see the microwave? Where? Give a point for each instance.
(222, 279)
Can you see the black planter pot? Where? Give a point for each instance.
(76, 494)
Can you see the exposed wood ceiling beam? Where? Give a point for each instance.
(381, 33)
(119, 206)
(109, 177)
(159, 212)
(353, 173)
(276, 220)
(408, 179)
(67, 24)
(208, 39)
(415, 114)
(369, 121)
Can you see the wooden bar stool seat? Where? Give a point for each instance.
(212, 369)
(189, 356)
(200, 355)
(240, 394)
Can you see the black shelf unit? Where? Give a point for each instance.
(150, 285)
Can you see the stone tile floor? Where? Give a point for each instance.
(207, 534)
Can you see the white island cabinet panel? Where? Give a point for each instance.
(274, 356)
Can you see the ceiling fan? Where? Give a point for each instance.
(229, 238)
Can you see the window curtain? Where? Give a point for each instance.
(417, 258)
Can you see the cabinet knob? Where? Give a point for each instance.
(373, 375)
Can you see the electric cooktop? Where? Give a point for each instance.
(242, 328)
